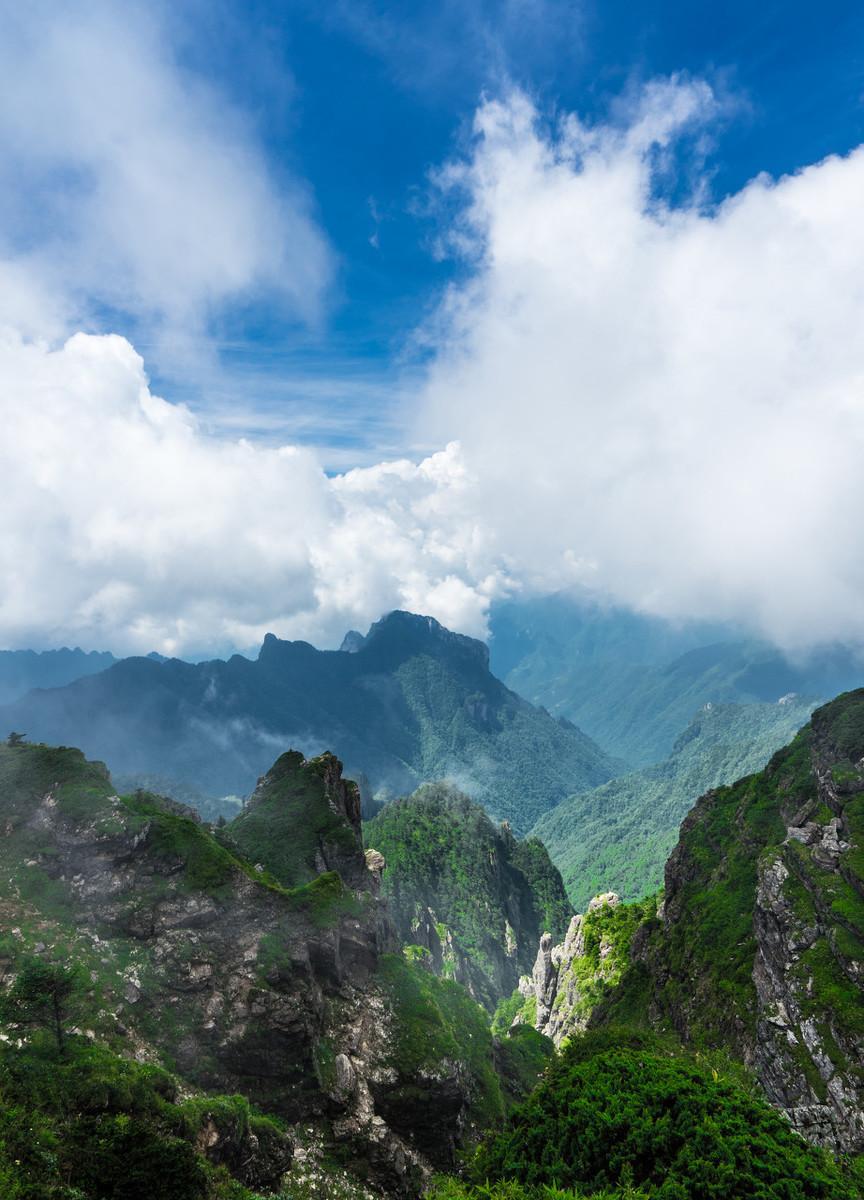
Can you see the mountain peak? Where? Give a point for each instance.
(402, 634)
(276, 650)
(352, 642)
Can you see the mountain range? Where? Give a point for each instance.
(409, 703)
(618, 836)
(21, 670)
(634, 682)
(233, 1013)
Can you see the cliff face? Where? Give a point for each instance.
(570, 980)
(263, 977)
(468, 892)
(759, 945)
(808, 970)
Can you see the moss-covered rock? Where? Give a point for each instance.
(477, 898)
(571, 980)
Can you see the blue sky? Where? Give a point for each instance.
(364, 99)
(308, 312)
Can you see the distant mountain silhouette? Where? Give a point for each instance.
(21, 670)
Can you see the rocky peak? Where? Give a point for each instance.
(304, 819)
(401, 635)
(352, 642)
(571, 978)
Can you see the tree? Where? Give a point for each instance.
(42, 996)
(15, 739)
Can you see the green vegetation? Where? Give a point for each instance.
(208, 867)
(618, 837)
(709, 953)
(696, 971)
(435, 1025)
(620, 1110)
(325, 900)
(521, 1056)
(590, 969)
(531, 857)
(464, 719)
(91, 1126)
(490, 895)
(42, 996)
(447, 1188)
(29, 772)
(289, 822)
(507, 1011)
(607, 935)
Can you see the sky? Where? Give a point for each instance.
(312, 311)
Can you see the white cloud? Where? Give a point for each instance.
(662, 405)
(130, 185)
(665, 404)
(124, 526)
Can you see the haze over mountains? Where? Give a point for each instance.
(21, 670)
(327, 972)
(618, 836)
(634, 682)
(411, 702)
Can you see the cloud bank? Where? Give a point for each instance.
(124, 525)
(662, 403)
(659, 404)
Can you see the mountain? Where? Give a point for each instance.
(411, 702)
(754, 954)
(632, 682)
(274, 993)
(468, 892)
(759, 943)
(21, 670)
(617, 837)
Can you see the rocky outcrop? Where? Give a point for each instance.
(807, 1054)
(208, 961)
(571, 979)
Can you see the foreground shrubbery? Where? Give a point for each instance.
(620, 1115)
(87, 1125)
(452, 1189)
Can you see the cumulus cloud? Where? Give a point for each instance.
(125, 526)
(130, 189)
(662, 403)
(659, 404)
